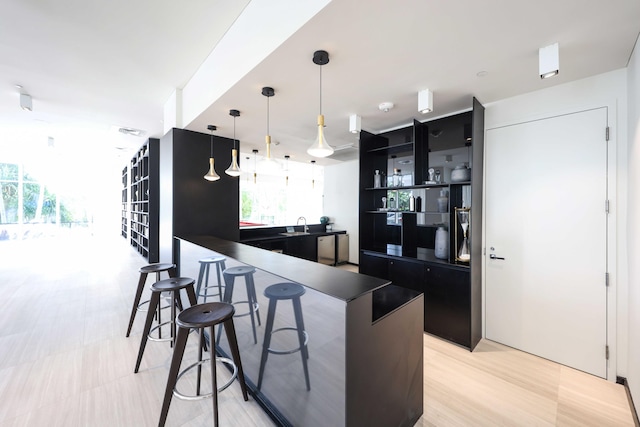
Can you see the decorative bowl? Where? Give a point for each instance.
(461, 173)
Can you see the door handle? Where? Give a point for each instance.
(493, 256)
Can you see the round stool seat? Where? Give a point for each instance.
(172, 284)
(212, 259)
(284, 291)
(240, 271)
(204, 315)
(156, 268)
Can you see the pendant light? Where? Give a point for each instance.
(255, 173)
(234, 169)
(269, 164)
(211, 175)
(313, 181)
(320, 148)
(286, 169)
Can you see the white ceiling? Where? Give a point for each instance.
(93, 65)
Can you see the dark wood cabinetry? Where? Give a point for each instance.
(305, 247)
(447, 303)
(143, 211)
(398, 241)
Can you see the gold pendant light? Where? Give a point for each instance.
(234, 169)
(320, 148)
(268, 163)
(211, 175)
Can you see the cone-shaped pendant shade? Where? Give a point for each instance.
(211, 175)
(320, 147)
(234, 169)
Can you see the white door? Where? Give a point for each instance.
(546, 187)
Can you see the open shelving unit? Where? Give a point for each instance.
(125, 204)
(143, 212)
(399, 245)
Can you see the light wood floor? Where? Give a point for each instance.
(64, 360)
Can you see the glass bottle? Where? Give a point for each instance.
(397, 178)
(377, 179)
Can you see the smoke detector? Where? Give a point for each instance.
(385, 106)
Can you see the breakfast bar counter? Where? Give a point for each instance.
(363, 339)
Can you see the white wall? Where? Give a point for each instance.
(341, 201)
(633, 230)
(608, 90)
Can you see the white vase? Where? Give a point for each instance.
(441, 247)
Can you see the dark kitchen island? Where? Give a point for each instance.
(364, 340)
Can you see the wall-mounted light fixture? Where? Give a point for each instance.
(549, 61)
(211, 175)
(234, 169)
(320, 148)
(425, 101)
(355, 122)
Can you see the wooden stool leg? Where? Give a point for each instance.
(136, 300)
(271, 313)
(201, 331)
(153, 302)
(214, 381)
(178, 351)
(297, 310)
(235, 353)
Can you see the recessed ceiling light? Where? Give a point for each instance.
(385, 106)
(128, 130)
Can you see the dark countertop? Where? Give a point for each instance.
(280, 236)
(424, 255)
(264, 233)
(332, 281)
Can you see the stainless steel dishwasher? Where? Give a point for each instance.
(342, 249)
(327, 250)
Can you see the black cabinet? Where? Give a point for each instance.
(374, 265)
(304, 247)
(408, 274)
(419, 161)
(447, 304)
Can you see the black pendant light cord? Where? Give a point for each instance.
(211, 145)
(320, 89)
(267, 115)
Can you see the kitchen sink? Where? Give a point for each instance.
(295, 233)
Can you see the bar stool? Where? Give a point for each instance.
(144, 271)
(173, 285)
(205, 264)
(280, 292)
(201, 316)
(230, 275)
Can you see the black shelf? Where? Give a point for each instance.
(393, 149)
(125, 203)
(401, 247)
(143, 212)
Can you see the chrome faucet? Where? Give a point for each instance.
(306, 229)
